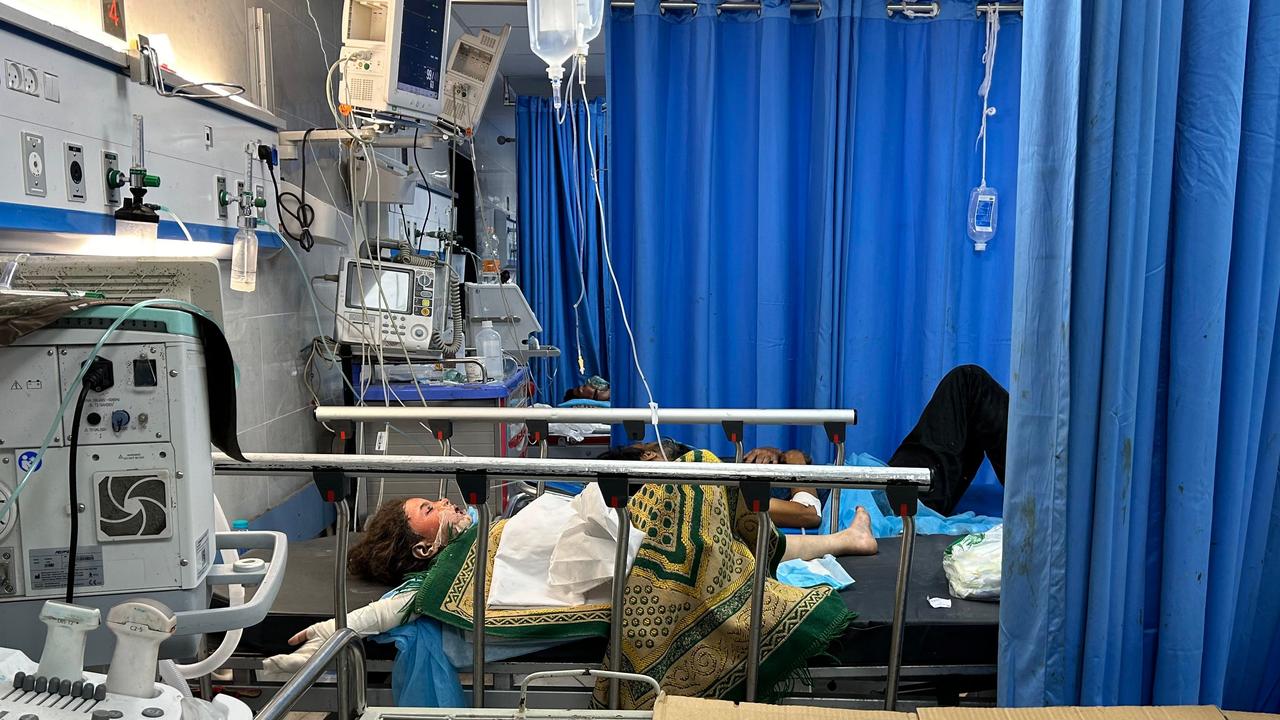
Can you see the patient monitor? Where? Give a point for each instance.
(394, 53)
(392, 304)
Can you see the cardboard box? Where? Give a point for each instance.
(1238, 715)
(1074, 713)
(684, 708)
(670, 707)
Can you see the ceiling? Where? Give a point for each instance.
(524, 71)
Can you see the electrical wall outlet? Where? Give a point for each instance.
(75, 172)
(13, 75)
(110, 161)
(31, 81)
(220, 188)
(33, 171)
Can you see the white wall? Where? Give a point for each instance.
(271, 330)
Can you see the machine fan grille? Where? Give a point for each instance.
(132, 506)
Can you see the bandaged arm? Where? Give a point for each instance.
(376, 617)
(803, 510)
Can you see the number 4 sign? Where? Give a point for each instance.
(113, 17)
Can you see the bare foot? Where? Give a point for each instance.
(857, 538)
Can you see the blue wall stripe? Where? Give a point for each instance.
(34, 218)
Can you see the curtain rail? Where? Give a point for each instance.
(821, 476)
(666, 416)
(917, 9)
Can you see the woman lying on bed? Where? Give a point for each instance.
(550, 575)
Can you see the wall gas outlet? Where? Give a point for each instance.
(110, 161)
(75, 172)
(220, 188)
(33, 170)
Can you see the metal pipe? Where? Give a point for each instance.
(822, 476)
(360, 486)
(998, 7)
(478, 599)
(344, 678)
(346, 642)
(763, 530)
(615, 617)
(900, 612)
(447, 447)
(737, 451)
(543, 451)
(665, 416)
(835, 495)
(913, 9)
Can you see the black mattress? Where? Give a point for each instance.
(964, 634)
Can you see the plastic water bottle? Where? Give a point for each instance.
(489, 348)
(244, 261)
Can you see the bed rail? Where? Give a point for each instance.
(343, 643)
(538, 420)
(902, 485)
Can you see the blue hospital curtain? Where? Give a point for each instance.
(1142, 545)
(790, 194)
(559, 248)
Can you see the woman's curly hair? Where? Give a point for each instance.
(384, 553)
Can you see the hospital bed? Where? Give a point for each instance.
(472, 475)
(946, 651)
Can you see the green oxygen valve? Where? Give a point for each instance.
(149, 180)
(259, 202)
(116, 179)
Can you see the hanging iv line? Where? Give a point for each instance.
(983, 199)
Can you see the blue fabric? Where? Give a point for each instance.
(789, 205)
(421, 676)
(1141, 547)
(585, 402)
(884, 523)
(559, 235)
(458, 648)
(812, 573)
(428, 656)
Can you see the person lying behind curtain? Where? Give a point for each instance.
(966, 420)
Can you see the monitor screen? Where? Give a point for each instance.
(367, 288)
(422, 44)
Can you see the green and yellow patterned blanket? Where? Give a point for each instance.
(686, 605)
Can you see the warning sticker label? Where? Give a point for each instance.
(49, 568)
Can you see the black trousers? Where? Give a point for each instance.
(966, 419)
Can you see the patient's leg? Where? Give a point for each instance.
(853, 540)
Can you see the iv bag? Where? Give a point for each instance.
(982, 216)
(553, 32)
(590, 22)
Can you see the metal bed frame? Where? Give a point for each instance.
(333, 473)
